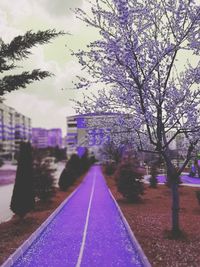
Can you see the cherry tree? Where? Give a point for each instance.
(146, 62)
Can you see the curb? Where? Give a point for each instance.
(27, 243)
(132, 237)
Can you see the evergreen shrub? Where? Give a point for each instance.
(23, 197)
(129, 180)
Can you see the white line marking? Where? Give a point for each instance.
(86, 224)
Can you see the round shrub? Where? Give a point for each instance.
(129, 181)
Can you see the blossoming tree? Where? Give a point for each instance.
(142, 62)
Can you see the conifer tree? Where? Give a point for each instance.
(17, 50)
(23, 198)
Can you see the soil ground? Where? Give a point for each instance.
(150, 220)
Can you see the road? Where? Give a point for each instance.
(185, 179)
(5, 197)
(88, 232)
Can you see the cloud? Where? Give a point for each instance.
(59, 7)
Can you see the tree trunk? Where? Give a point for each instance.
(175, 208)
(173, 183)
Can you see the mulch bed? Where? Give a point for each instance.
(150, 221)
(14, 232)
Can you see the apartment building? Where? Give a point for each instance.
(42, 138)
(93, 130)
(72, 135)
(89, 131)
(55, 137)
(14, 128)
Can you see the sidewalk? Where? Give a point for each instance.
(185, 178)
(88, 231)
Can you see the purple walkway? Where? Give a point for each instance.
(184, 178)
(87, 232)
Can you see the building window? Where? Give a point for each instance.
(73, 125)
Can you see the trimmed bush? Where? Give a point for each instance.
(129, 180)
(70, 173)
(74, 168)
(84, 162)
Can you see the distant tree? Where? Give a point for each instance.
(23, 197)
(112, 151)
(17, 50)
(59, 153)
(92, 159)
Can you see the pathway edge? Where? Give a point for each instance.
(132, 237)
(28, 242)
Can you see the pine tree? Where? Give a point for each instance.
(23, 199)
(18, 49)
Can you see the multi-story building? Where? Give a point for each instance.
(39, 137)
(55, 137)
(72, 134)
(89, 131)
(42, 138)
(93, 130)
(14, 128)
(23, 129)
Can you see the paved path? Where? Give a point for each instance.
(88, 232)
(186, 180)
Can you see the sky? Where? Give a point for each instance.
(47, 102)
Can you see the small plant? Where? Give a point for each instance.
(198, 196)
(129, 180)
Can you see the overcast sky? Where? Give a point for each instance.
(45, 102)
